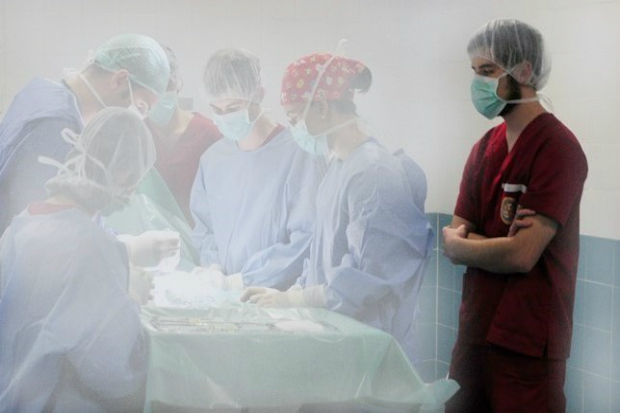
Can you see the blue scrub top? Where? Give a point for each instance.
(31, 128)
(71, 338)
(255, 210)
(372, 239)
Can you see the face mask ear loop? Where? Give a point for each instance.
(546, 102)
(537, 98)
(92, 90)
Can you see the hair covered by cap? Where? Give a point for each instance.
(232, 74)
(108, 160)
(141, 56)
(336, 83)
(175, 75)
(511, 43)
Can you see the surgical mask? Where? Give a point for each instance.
(132, 107)
(236, 125)
(316, 145)
(485, 99)
(165, 108)
(309, 143)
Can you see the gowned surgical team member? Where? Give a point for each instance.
(181, 137)
(253, 198)
(129, 70)
(372, 238)
(515, 319)
(71, 338)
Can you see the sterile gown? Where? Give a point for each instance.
(70, 336)
(372, 239)
(31, 127)
(255, 210)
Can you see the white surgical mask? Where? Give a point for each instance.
(236, 125)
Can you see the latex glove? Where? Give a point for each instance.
(150, 247)
(519, 222)
(293, 297)
(254, 294)
(140, 286)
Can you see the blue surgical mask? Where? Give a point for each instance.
(485, 98)
(165, 108)
(316, 145)
(235, 125)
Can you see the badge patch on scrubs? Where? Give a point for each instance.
(509, 203)
(507, 212)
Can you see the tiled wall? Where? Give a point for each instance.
(593, 375)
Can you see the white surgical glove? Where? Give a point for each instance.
(140, 286)
(293, 297)
(151, 247)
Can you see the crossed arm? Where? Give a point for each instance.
(514, 253)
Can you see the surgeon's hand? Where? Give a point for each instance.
(150, 247)
(519, 222)
(140, 286)
(270, 297)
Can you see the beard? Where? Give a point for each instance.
(514, 93)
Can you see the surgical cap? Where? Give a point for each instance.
(334, 84)
(509, 43)
(232, 74)
(108, 160)
(141, 56)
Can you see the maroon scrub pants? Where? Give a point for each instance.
(494, 379)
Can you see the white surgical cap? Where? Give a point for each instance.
(141, 56)
(509, 43)
(232, 74)
(108, 160)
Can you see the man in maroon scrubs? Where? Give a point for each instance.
(515, 319)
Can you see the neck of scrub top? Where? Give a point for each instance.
(521, 116)
(343, 140)
(259, 133)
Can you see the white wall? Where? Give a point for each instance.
(415, 48)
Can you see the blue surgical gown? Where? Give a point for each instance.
(71, 338)
(255, 210)
(31, 127)
(372, 239)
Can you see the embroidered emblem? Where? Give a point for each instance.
(508, 209)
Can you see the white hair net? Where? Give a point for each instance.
(141, 56)
(511, 43)
(232, 73)
(107, 162)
